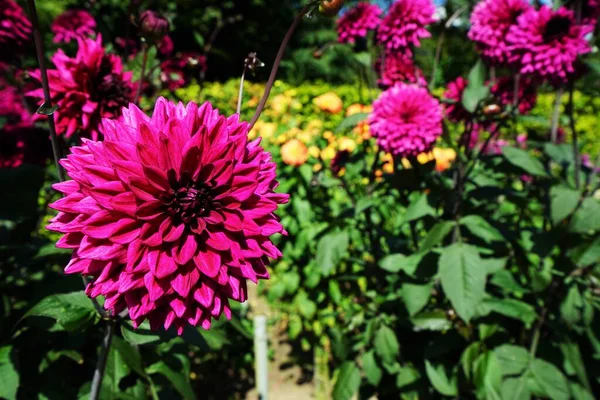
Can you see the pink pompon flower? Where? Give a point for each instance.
(406, 120)
(405, 24)
(73, 24)
(170, 215)
(504, 91)
(490, 22)
(455, 111)
(546, 43)
(15, 29)
(395, 67)
(357, 22)
(86, 88)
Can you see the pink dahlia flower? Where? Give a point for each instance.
(165, 46)
(490, 22)
(404, 25)
(86, 88)
(357, 21)
(395, 67)
(590, 11)
(406, 120)
(170, 215)
(15, 29)
(455, 111)
(546, 43)
(73, 24)
(504, 91)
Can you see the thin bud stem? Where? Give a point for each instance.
(241, 91)
(101, 363)
(555, 116)
(278, 59)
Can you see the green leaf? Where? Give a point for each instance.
(586, 253)
(418, 209)
(436, 235)
(215, 338)
(306, 306)
(407, 376)
(559, 153)
(440, 380)
(563, 202)
(463, 278)
(331, 249)
(579, 392)
(294, 326)
(9, 378)
(487, 376)
(524, 160)
(476, 91)
(571, 307)
(572, 355)
(363, 204)
(334, 292)
(386, 344)
(179, 381)
(416, 297)
(515, 389)
(479, 227)
(72, 311)
(400, 262)
(141, 335)
(505, 280)
(468, 357)
(351, 121)
(550, 380)
(373, 372)
(510, 308)
(431, 321)
(513, 359)
(587, 217)
(130, 355)
(493, 265)
(347, 382)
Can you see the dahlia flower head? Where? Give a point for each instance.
(15, 29)
(546, 44)
(357, 22)
(170, 214)
(406, 120)
(504, 91)
(86, 88)
(455, 111)
(490, 22)
(405, 24)
(73, 24)
(395, 67)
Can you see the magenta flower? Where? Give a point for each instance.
(15, 29)
(406, 120)
(357, 21)
(590, 11)
(395, 67)
(405, 24)
(177, 71)
(546, 43)
(455, 111)
(165, 46)
(490, 22)
(170, 215)
(504, 91)
(73, 24)
(86, 88)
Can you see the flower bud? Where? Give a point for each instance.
(153, 26)
(492, 109)
(330, 8)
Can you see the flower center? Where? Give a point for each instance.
(556, 27)
(187, 200)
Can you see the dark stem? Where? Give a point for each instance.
(576, 156)
(102, 357)
(555, 116)
(142, 73)
(278, 59)
(39, 48)
(516, 99)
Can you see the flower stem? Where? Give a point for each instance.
(278, 59)
(142, 73)
(102, 357)
(241, 91)
(555, 116)
(39, 47)
(438, 49)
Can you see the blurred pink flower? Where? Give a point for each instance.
(495, 146)
(455, 111)
(490, 22)
(546, 43)
(15, 29)
(395, 67)
(177, 71)
(405, 24)
(170, 215)
(86, 88)
(357, 21)
(153, 26)
(522, 140)
(504, 91)
(73, 24)
(165, 46)
(406, 120)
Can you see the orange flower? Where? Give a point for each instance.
(358, 108)
(294, 152)
(443, 158)
(329, 102)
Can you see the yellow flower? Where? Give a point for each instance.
(362, 129)
(443, 158)
(314, 151)
(317, 167)
(294, 152)
(268, 129)
(328, 153)
(358, 108)
(388, 163)
(345, 143)
(328, 135)
(329, 102)
(424, 158)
